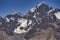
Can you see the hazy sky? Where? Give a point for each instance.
(10, 6)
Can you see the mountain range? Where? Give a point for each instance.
(39, 23)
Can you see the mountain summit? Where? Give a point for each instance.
(39, 23)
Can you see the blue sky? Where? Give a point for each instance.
(10, 6)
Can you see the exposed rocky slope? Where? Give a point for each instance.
(39, 23)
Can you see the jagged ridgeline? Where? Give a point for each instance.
(39, 23)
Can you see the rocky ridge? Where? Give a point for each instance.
(39, 23)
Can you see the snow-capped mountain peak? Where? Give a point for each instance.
(32, 10)
(40, 21)
(42, 3)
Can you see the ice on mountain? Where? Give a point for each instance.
(37, 13)
(34, 16)
(30, 22)
(12, 18)
(23, 23)
(32, 9)
(38, 17)
(51, 10)
(18, 31)
(7, 19)
(40, 4)
(57, 15)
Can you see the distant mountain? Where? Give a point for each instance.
(39, 23)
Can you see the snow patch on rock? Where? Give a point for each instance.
(57, 15)
(23, 23)
(32, 9)
(7, 19)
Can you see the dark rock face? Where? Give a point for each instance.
(42, 21)
(45, 27)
